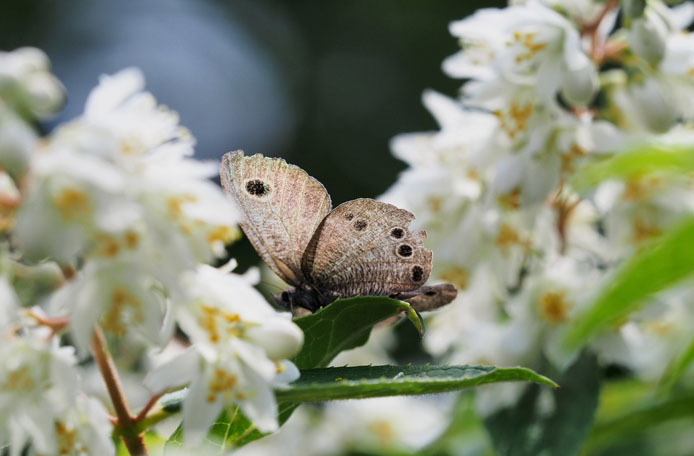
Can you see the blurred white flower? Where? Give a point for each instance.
(38, 383)
(9, 304)
(85, 430)
(649, 339)
(239, 354)
(526, 252)
(117, 179)
(529, 44)
(17, 140)
(647, 36)
(398, 423)
(122, 198)
(26, 83)
(122, 296)
(388, 425)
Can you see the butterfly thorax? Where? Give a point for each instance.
(304, 296)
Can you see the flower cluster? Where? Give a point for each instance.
(109, 222)
(550, 85)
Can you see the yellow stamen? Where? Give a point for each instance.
(457, 275)
(553, 307)
(507, 237)
(72, 203)
(19, 380)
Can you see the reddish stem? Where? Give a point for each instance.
(148, 406)
(597, 52)
(56, 324)
(126, 423)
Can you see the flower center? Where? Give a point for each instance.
(553, 307)
(72, 203)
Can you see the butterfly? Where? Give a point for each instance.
(362, 247)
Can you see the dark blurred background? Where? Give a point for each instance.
(324, 84)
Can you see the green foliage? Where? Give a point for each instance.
(345, 324)
(658, 159)
(676, 368)
(550, 422)
(658, 265)
(377, 381)
(631, 420)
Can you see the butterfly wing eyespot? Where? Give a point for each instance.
(417, 274)
(360, 225)
(257, 187)
(281, 205)
(397, 233)
(405, 250)
(375, 257)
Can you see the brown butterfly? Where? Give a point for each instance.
(362, 247)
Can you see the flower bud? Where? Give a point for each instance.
(17, 140)
(632, 9)
(654, 104)
(579, 85)
(647, 37)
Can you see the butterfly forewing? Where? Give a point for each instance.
(282, 207)
(365, 247)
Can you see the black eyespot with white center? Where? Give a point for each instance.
(349, 216)
(417, 273)
(397, 233)
(405, 250)
(360, 225)
(257, 188)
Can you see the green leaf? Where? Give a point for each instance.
(233, 429)
(644, 159)
(658, 265)
(642, 416)
(377, 381)
(549, 422)
(230, 429)
(342, 325)
(346, 324)
(676, 368)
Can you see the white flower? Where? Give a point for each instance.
(17, 140)
(122, 296)
(26, 83)
(119, 192)
(117, 180)
(239, 352)
(648, 104)
(447, 165)
(398, 423)
(85, 430)
(652, 337)
(640, 208)
(37, 384)
(647, 36)
(530, 45)
(9, 303)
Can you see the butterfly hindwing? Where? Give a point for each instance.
(282, 207)
(365, 247)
